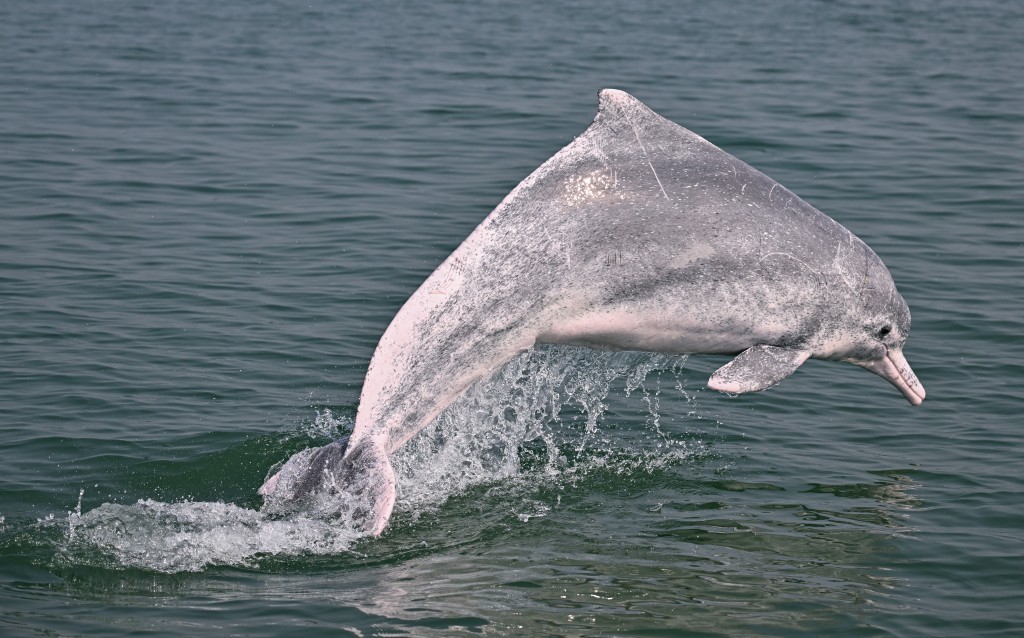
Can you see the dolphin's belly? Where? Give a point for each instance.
(678, 334)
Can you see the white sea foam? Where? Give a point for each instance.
(189, 536)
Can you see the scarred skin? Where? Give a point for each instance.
(639, 235)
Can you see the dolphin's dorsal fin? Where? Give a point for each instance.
(757, 368)
(613, 104)
(630, 117)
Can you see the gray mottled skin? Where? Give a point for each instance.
(638, 235)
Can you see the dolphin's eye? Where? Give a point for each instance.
(883, 331)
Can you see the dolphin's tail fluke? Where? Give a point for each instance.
(366, 474)
(356, 483)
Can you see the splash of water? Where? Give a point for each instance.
(535, 419)
(190, 536)
(549, 399)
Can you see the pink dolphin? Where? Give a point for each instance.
(639, 235)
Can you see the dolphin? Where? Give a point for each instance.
(639, 235)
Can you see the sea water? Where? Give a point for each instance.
(209, 213)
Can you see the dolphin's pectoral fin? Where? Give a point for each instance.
(757, 368)
(367, 476)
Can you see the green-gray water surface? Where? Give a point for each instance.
(209, 212)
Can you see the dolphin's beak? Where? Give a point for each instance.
(894, 368)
